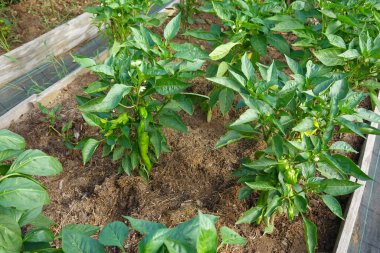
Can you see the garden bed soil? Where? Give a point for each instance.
(32, 18)
(193, 176)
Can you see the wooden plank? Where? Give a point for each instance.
(60, 40)
(346, 230)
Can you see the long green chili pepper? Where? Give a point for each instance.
(143, 140)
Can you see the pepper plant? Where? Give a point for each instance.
(140, 91)
(117, 17)
(21, 196)
(297, 117)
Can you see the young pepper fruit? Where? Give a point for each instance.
(143, 141)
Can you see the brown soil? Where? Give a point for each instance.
(32, 18)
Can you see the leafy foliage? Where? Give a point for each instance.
(141, 91)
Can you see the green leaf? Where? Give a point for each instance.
(261, 164)
(22, 193)
(301, 203)
(288, 26)
(226, 99)
(170, 86)
(227, 82)
(273, 205)
(351, 126)
(39, 235)
(84, 62)
(170, 119)
(342, 146)
(336, 40)
(350, 167)
(114, 234)
(188, 51)
(261, 186)
(251, 215)
(310, 234)
(277, 145)
(178, 247)
(248, 116)
(103, 69)
(329, 57)
(368, 115)
(143, 226)
(109, 102)
(74, 242)
(278, 42)
(307, 124)
(293, 65)
(339, 89)
(231, 237)
(247, 68)
(222, 50)
(36, 163)
(350, 54)
(172, 27)
(337, 187)
(333, 204)
(201, 34)
(83, 229)
(228, 138)
(10, 239)
(11, 141)
(207, 241)
(88, 149)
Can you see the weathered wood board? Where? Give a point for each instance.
(60, 40)
(348, 237)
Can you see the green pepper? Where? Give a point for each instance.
(143, 112)
(143, 141)
(290, 176)
(290, 211)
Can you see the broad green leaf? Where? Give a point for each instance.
(293, 65)
(39, 235)
(170, 119)
(339, 89)
(114, 234)
(83, 229)
(261, 164)
(226, 99)
(222, 69)
(368, 115)
(10, 237)
(342, 146)
(288, 26)
(273, 205)
(11, 141)
(329, 57)
(350, 167)
(201, 34)
(336, 40)
(350, 54)
(36, 163)
(143, 226)
(109, 102)
(84, 62)
(74, 242)
(277, 146)
(350, 125)
(228, 138)
(88, 149)
(247, 68)
(172, 27)
(310, 234)
(189, 52)
(103, 69)
(259, 44)
(261, 186)
(300, 203)
(227, 82)
(337, 187)
(278, 42)
(222, 50)
(307, 124)
(153, 242)
(248, 116)
(207, 241)
(251, 215)
(22, 193)
(178, 247)
(170, 86)
(231, 237)
(333, 204)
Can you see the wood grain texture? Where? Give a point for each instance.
(348, 225)
(60, 40)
